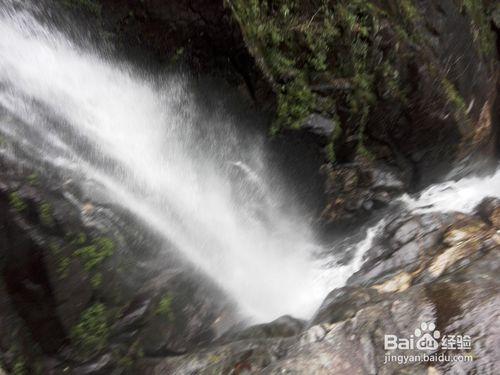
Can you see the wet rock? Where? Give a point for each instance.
(489, 209)
(285, 326)
(133, 315)
(355, 189)
(62, 264)
(342, 304)
(200, 34)
(100, 366)
(320, 126)
(444, 272)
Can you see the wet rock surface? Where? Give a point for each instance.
(86, 289)
(435, 268)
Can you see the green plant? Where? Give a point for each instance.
(19, 367)
(480, 25)
(77, 239)
(297, 43)
(96, 280)
(17, 202)
(63, 266)
(91, 334)
(165, 307)
(454, 97)
(33, 179)
(45, 214)
(54, 248)
(94, 254)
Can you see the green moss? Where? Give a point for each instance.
(77, 239)
(17, 202)
(454, 97)
(480, 25)
(364, 152)
(63, 267)
(125, 362)
(409, 11)
(96, 280)
(297, 42)
(54, 248)
(33, 179)
(91, 334)
(19, 367)
(45, 214)
(165, 307)
(94, 254)
(295, 103)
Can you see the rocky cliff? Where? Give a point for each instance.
(372, 98)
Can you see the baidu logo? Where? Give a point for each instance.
(427, 337)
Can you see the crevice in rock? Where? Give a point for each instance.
(28, 285)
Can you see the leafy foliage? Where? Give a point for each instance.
(165, 307)
(298, 43)
(17, 202)
(91, 334)
(45, 214)
(95, 253)
(480, 25)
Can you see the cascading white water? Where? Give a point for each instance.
(137, 138)
(462, 195)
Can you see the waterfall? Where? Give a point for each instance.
(462, 195)
(143, 142)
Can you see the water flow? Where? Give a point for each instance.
(462, 195)
(189, 177)
(184, 171)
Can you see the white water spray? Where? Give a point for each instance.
(462, 195)
(138, 139)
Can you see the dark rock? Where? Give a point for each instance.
(133, 315)
(285, 326)
(489, 209)
(102, 365)
(319, 125)
(201, 34)
(354, 189)
(49, 285)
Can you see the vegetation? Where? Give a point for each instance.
(19, 367)
(17, 202)
(33, 179)
(298, 43)
(77, 239)
(165, 307)
(480, 24)
(96, 280)
(45, 214)
(454, 97)
(63, 267)
(90, 335)
(95, 253)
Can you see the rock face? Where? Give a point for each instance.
(412, 83)
(409, 85)
(432, 268)
(85, 288)
(201, 34)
